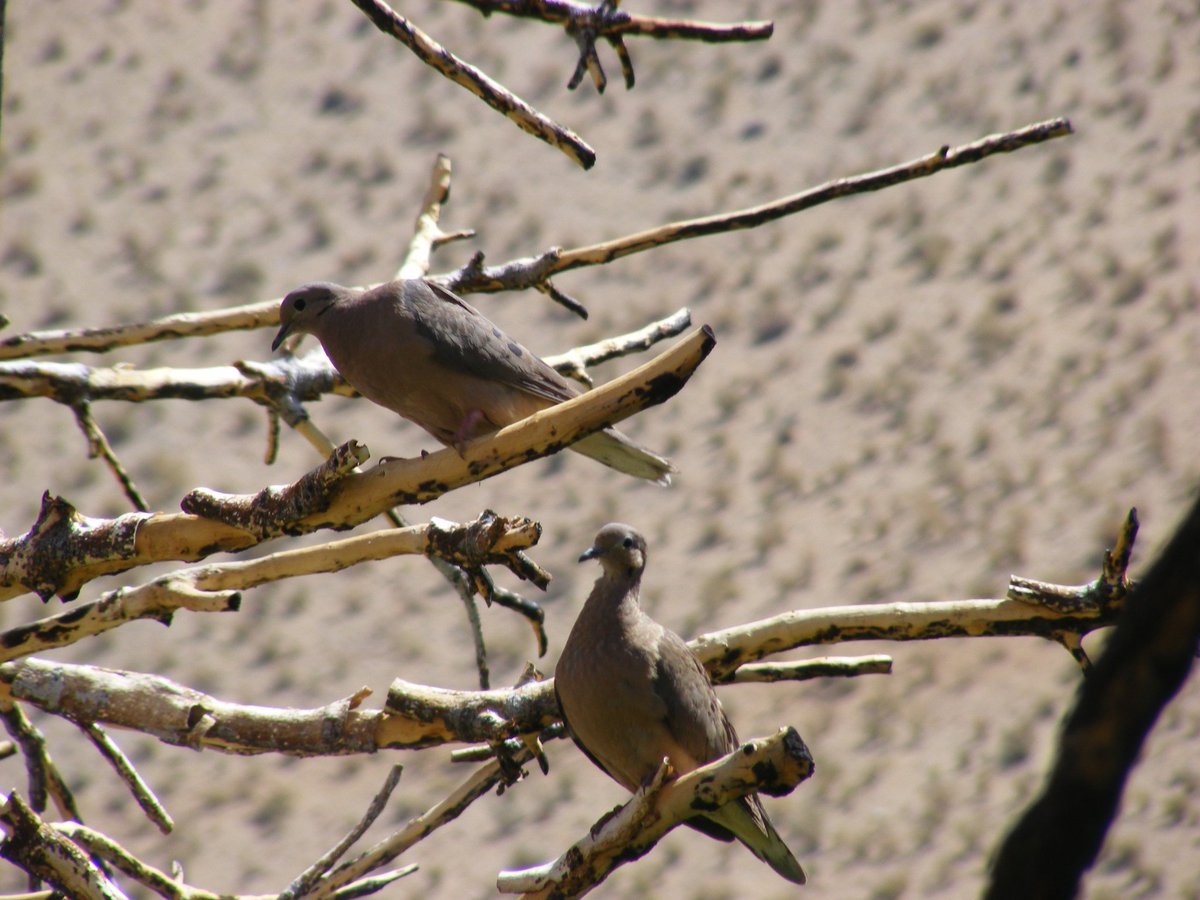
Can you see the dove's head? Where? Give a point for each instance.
(620, 548)
(299, 311)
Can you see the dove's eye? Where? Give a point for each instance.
(299, 304)
(627, 543)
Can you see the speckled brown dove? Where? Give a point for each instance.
(632, 692)
(419, 350)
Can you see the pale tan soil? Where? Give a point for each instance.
(915, 393)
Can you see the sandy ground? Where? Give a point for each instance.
(915, 393)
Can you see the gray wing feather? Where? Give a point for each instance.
(466, 340)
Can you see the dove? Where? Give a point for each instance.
(632, 692)
(423, 352)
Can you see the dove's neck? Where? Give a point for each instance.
(614, 597)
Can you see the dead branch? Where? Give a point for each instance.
(486, 89)
(1111, 587)
(773, 765)
(427, 233)
(423, 716)
(724, 651)
(64, 550)
(1144, 664)
(45, 854)
(264, 314)
(523, 273)
(529, 272)
(489, 540)
(44, 779)
(100, 846)
(304, 883)
(302, 378)
(282, 384)
(1096, 606)
(98, 446)
(575, 363)
(184, 717)
(62, 542)
(126, 771)
(272, 511)
(477, 785)
(418, 716)
(587, 23)
(808, 669)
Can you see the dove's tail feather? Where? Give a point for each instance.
(618, 452)
(748, 822)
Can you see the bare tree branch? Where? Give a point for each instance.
(103, 847)
(125, 770)
(588, 22)
(281, 384)
(477, 785)
(44, 777)
(808, 669)
(420, 716)
(63, 550)
(428, 234)
(41, 851)
(98, 446)
(264, 314)
(189, 718)
(489, 540)
(773, 765)
(1145, 662)
(486, 89)
(575, 363)
(304, 883)
(940, 160)
(1096, 605)
(528, 272)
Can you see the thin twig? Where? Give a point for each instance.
(462, 586)
(264, 314)
(479, 783)
(125, 770)
(428, 233)
(589, 22)
(574, 363)
(101, 846)
(44, 777)
(486, 89)
(529, 271)
(307, 879)
(98, 445)
(939, 161)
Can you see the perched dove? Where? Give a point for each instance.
(632, 692)
(425, 353)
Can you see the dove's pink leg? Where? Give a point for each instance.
(466, 430)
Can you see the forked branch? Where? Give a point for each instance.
(529, 272)
(489, 540)
(773, 765)
(64, 550)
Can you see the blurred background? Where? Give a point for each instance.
(915, 393)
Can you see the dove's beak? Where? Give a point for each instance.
(589, 553)
(284, 330)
